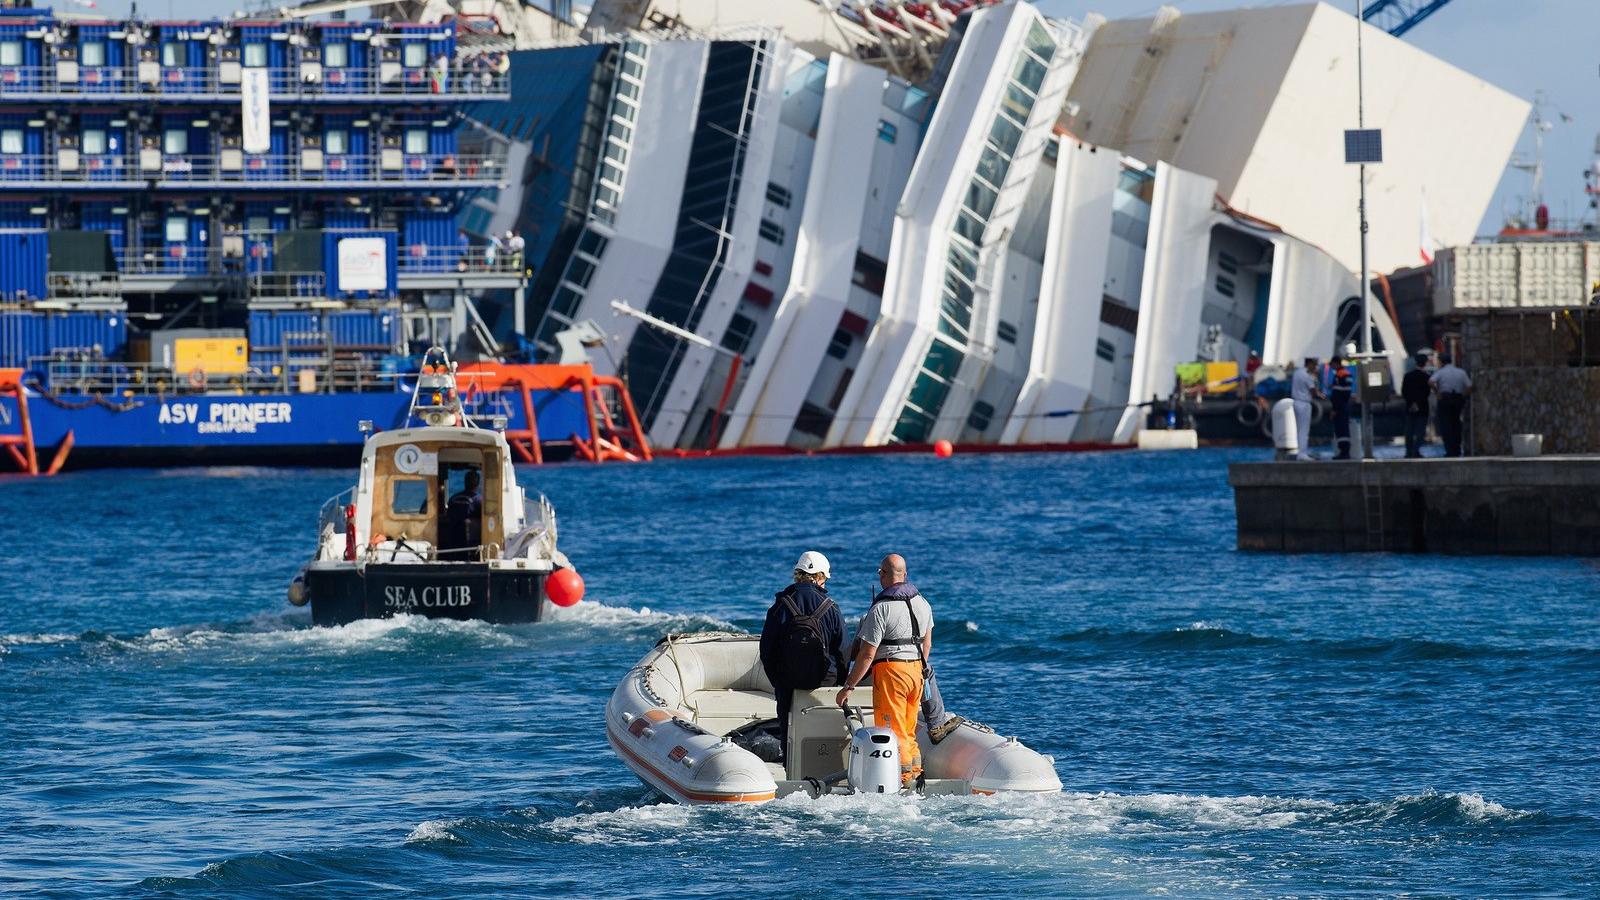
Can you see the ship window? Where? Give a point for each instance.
(177, 229)
(980, 417)
(969, 228)
(778, 194)
(1017, 103)
(416, 140)
(592, 243)
(175, 140)
(171, 54)
(11, 140)
(414, 55)
(10, 53)
(579, 271)
(1105, 350)
(840, 345)
(1005, 135)
(887, 132)
(771, 231)
(1039, 42)
(336, 56)
(1227, 263)
(92, 53)
(336, 140)
(741, 329)
(616, 153)
(1029, 72)
(409, 496)
(1006, 331)
(94, 141)
(980, 199)
(1225, 285)
(629, 89)
(255, 55)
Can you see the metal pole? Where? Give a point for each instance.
(1367, 431)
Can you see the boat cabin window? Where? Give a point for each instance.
(409, 496)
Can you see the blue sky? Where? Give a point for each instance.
(1523, 46)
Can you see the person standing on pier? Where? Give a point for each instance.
(1341, 386)
(1453, 387)
(1302, 389)
(1415, 391)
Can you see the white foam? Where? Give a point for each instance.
(972, 626)
(434, 832)
(1473, 807)
(288, 630)
(631, 826)
(43, 638)
(592, 612)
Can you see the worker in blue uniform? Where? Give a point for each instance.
(1341, 386)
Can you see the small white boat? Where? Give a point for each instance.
(436, 525)
(695, 719)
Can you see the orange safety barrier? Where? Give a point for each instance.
(20, 445)
(607, 440)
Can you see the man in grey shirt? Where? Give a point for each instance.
(1453, 387)
(1302, 390)
(887, 645)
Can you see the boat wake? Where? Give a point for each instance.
(974, 822)
(292, 630)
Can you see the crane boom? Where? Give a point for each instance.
(1400, 16)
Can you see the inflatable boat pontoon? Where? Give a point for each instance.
(696, 720)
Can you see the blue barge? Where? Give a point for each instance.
(221, 241)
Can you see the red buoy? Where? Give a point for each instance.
(943, 449)
(564, 587)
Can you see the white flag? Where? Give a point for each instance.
(1425, 239)
(257, 112)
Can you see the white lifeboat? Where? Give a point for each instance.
(694, 719)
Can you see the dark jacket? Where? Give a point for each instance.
(807, 597)
(1341, 388)
(1414, 388)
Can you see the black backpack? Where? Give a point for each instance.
(802, 651)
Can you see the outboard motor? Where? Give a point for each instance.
(874, 766)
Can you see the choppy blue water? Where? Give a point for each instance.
(1226, 724)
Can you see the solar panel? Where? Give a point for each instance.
(1363, 145)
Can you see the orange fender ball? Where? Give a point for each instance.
(564, 587)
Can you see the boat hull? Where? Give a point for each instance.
(344, 594)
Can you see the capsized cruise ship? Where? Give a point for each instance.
(876, 226)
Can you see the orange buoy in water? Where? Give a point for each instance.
(564, 587)
(943, 448)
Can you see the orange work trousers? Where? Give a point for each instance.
(896, 700)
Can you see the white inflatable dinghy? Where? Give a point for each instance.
(696, 720)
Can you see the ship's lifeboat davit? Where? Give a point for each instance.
(436, 525)
(694, 720)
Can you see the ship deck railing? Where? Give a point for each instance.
(306, 170)
(207, 84)
(344, 371)
(254, 266)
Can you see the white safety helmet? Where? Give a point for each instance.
(812, 563)
(1350, 349)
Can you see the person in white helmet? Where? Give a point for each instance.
(802, 639)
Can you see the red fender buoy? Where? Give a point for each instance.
(943, 449)
(564, 587)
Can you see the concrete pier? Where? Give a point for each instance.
(1488, 505)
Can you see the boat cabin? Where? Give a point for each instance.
(436, 494)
